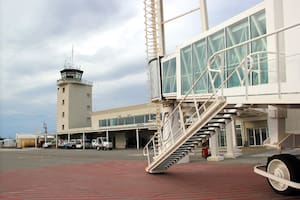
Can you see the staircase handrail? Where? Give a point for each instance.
(246, 70)
(254, 39)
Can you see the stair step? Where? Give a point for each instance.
(227, 113)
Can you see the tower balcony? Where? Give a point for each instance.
(75, 81)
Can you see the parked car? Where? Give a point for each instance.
(70, 145)
(50, 144)
(101, 143)
(61, 143)
(87, 144)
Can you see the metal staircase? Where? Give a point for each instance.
(168, 147)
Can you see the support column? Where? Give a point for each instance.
(83, 140)
(137, 139)
(214, 147)
(56, 140)
(203, 13)
(276, 123)
(36, 141)
(69, 136)
(234, 142)
(166, 134)
(232, 150)
(236, 151)
(230, 129)
(107, 136)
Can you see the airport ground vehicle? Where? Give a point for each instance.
(70, 145)
(50, 144)
(101, 143)
(282, 172)
(87, 144)
(8, 143)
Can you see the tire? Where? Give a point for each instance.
(284, 166)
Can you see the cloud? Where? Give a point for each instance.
(108, 36)
(36, 38)
(120, 92)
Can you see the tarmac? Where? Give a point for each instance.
(119, 174)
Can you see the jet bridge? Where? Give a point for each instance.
(250, 61)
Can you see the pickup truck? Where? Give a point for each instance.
(101, 143)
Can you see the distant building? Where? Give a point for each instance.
(24, 140)
(130, 126)
(74, 100)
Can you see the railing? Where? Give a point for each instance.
(74, 80)
(171, 130)
(244, 71)
(247, 65)
(151, 149)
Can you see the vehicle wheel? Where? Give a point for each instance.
(98, 148)
(283, 166)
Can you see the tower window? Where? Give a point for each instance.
(63, 102)
(63, 127)
(88, 94)
(63, 114)
(63, 90)
(88, 107)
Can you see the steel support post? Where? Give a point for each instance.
(83, 140)
(204, 17)
(107, 136)
(137, 139)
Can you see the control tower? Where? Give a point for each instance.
(74, 99)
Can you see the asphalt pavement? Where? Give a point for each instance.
(40, 174)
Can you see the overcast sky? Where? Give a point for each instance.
(36, 37)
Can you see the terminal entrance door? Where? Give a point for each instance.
(256, 136)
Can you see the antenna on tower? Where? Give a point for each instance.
(72, 58)
(45, 127)
(45, 130)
